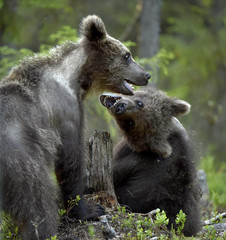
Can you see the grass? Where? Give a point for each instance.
(216, 179)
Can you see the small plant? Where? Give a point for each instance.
(210, 232)
(180, 221)
(161, 218)
(62, 212)
(72, 203)
(53, 238)
(91, 231)
(75, 201)
(146, 226)
(8, 229)
(122, 209)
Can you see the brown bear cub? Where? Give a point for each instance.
(153, 163)
(41, 125)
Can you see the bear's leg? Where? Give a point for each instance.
(70, 178)
(43, 218)
(188, 203)
(69, 172)
(29, 197)
(190, 207)
(193, 223)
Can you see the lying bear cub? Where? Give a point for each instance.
(153, 163)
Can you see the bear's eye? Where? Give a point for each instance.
(139, 104)
(127, 56)
(131, 123)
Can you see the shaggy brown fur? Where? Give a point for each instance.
(41, 125)
(153, 165)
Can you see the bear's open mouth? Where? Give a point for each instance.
(128, 85)
(108, 100)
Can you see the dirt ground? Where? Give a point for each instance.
(110, 225)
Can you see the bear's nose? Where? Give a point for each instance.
(120, 108)
(148, 76)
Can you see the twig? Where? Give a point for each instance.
(212, 220)
(150, 214)
(131, 25)
(153, 212)
(36, 225)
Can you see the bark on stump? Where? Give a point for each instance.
(99, 175)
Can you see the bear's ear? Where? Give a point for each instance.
(179, 107)
(92, 27)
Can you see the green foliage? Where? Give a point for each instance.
(121, 209)
(216, 179)
(91, 231)
(54, 4)
(142, 226)
(62, 211)
(196, 37)
(180, 221)
(8, 229)
(210, 232)
(28, 23)
(159, 62)
(146, 226)
(11, 57)
(161, 218)
(72, 203)
(129, 44)
(53, 238)
(66, 33)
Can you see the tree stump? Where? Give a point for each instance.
(99, 175)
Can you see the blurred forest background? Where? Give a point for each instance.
(182, 44)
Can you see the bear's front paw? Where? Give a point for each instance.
(85, 212)
(94, 211)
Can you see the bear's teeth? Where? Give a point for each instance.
(128, 86)
(109, 101)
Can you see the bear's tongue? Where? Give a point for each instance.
(128, 85)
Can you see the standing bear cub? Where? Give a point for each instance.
(41, 124)
(153, 164)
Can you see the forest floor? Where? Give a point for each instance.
(119, 224)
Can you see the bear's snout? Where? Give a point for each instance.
(148, 76)
(120, 108)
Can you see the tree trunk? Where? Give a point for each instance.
(149, 28)
(99, 175)
(149, 34)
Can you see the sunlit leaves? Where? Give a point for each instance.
(54, 4)
(11, 57)
(1, 4)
